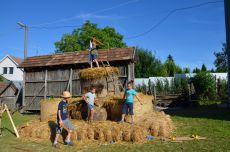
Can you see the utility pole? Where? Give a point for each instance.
(227, 26)
(25, 38)
(25, 56)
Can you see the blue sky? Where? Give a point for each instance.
(190, 36)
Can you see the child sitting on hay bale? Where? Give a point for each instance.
(89, 98)
(63, 121)
(128, 104)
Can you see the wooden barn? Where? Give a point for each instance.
(50, 75)
(10, 94)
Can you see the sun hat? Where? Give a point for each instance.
(66, 94)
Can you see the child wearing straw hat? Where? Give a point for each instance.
(128, 104)
(63, 121)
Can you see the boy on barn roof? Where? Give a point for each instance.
(93, 51)
(89, 98)
(63, 121)
(128, 104)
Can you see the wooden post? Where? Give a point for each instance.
(12, 122)
(24, 88)
(155, 94)
(45, 92)
(227, 25)
(71, 81)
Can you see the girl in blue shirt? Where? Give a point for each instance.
(128, 104)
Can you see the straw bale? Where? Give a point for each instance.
(126, 135)
(107, 134)
(116, 133)
(97, 73)
(90, 133)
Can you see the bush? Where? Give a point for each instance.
(179, 85)
(205, 87)
(222, 89)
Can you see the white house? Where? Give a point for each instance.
(9, 70)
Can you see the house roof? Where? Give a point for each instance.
(16, 59)
(114, 54)
(5, 85)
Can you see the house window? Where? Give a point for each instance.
(11, 70)
(4, 70)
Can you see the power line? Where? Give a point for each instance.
(95, 12)
(169, 14)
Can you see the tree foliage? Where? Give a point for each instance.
(221, 61)
(80, 37)
(148, 65)
(205, 86)
(203, 68)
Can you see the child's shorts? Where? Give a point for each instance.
(67, 124)
(93, 57)
(127, 108)
(90, 107)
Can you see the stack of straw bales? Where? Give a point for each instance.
(97, 73)
(155, 123)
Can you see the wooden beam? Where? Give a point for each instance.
(71, 81)
(45, 85)
(12, 122)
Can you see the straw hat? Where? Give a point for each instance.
(66, 94)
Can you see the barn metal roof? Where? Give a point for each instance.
(113, 54)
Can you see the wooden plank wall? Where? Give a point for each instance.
(41, 84)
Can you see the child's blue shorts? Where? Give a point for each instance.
(67, 124)
(90, 107)
(93, 57)
(127, 108)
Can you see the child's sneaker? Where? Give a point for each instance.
(121, 122)
(70, 143)
(56, 146)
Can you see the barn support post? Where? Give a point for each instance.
(45, 85)
(71, 81)
(24, 88)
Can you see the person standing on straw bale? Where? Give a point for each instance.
(129, 99)
(63, 121)
(93, 51)
(2, 110)
(90, 98)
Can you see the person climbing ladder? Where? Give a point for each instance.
(93, 51)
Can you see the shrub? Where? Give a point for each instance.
(222, 89)
(205, 87)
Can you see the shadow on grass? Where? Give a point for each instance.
(53, 126)
(207, 111)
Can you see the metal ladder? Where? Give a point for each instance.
(113, 77)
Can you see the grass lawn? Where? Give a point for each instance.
(207, 121)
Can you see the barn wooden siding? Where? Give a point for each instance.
(43, 79)
(9, 94)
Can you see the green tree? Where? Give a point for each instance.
(205, 86)
(148, 65)
(203, 68)
(80, 37)
(186, 70)
(221, 61)
(196, 70)
(1, 78)
(170, 66)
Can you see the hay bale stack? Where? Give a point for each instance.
(114, 107)
(97, 73)
(48, 108)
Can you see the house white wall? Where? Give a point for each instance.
(17, 73)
